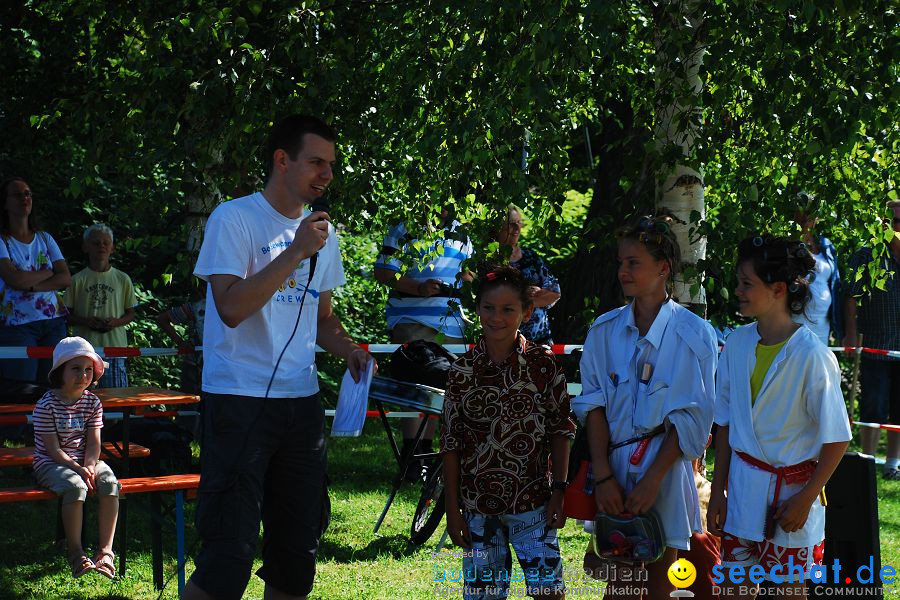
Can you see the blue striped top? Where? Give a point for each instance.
(440, 260)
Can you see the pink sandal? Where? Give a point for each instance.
(80, 565)
(105, 564)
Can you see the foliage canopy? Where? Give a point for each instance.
(143, 114)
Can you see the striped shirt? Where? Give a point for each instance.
(877, 312)
(441, 260)
(69, 422)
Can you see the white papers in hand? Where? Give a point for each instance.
(350, 414)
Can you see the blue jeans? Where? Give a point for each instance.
(116, 376)
(46, 332)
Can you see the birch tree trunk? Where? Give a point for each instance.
(680, 186)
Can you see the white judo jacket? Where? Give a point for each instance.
(798, 408)
(681, 350)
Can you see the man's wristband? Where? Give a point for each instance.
(558, 486)
(604, 480)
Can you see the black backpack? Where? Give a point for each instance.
(21, 392)
(422, 362)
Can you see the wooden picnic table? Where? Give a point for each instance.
(23, 457)
(120, 398)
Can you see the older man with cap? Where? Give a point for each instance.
(877, 316)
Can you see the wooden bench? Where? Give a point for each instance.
(22, 457)
(135, 485)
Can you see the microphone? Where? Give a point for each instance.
(319, 204)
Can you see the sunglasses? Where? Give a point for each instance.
(649, 224)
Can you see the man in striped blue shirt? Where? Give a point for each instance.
(424, 284)
(424, 299)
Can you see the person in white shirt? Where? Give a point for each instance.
(648, 377)
(824, 312)
(270, 265)
(783, 426)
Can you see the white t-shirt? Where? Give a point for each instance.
(242, 237)
(18, 307)
(815, 314)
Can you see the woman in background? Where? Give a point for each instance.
(543, 288)
(32, 270)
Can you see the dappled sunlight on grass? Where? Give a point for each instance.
(353, 561)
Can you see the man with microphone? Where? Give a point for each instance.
(270, 267)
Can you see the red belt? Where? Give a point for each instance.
(638, 455)
(799, 473)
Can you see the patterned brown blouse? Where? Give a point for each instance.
(500, 419)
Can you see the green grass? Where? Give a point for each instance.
(353, 562)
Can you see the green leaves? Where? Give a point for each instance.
(166, 104)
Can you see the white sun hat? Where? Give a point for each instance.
(73, 347)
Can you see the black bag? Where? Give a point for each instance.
(169, 444)
(21, 392)
(422, 362)
(851, 528)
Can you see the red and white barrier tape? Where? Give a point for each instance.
(14, 352)
(460, 348)
(886, 426)
(108, 352)
(879, 352)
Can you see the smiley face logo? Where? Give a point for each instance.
(682, 573)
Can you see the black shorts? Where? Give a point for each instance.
(879, 400)
(261, 460)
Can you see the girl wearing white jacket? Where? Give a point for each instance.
(783, 426)
(648, 387)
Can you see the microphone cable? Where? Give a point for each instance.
(320, 204)
(312, 269)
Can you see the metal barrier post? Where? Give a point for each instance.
(854, 384)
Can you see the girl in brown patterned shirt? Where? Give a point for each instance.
(506, 431)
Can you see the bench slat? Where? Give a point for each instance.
(137, 485)
(133, 485)
(23, 457)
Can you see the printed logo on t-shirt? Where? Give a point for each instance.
(291, 291)
(98, 295)
(269, 247)
(69, 423)
(43, 261)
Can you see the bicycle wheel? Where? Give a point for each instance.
(430, 510)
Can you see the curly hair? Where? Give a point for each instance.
(777, 259)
